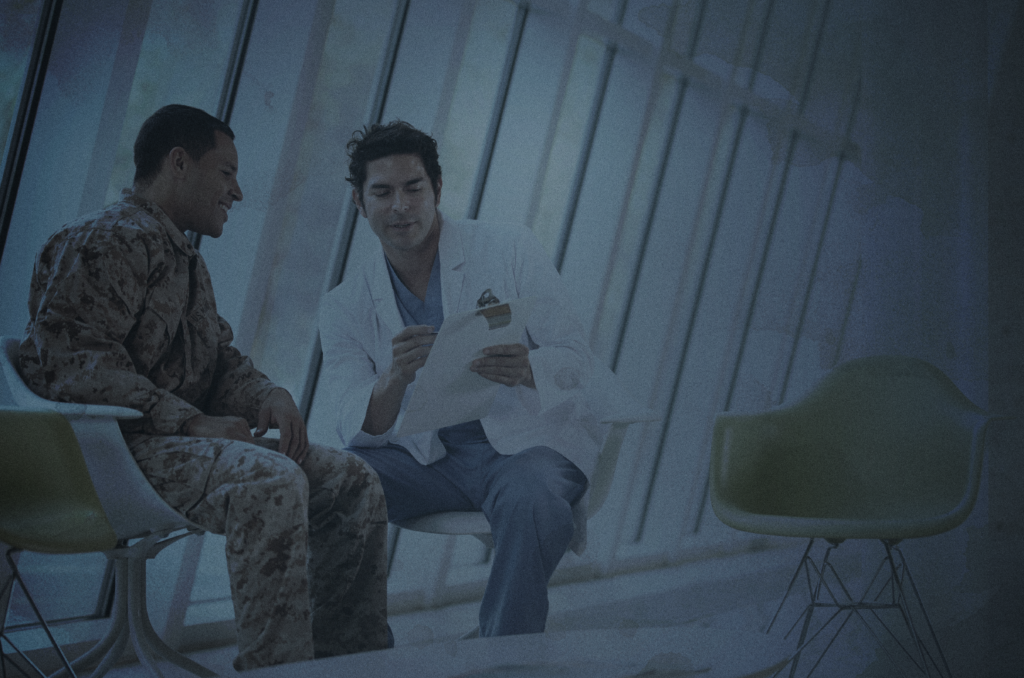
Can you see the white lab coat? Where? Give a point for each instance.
(359, 318)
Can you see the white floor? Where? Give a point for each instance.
(702, 619)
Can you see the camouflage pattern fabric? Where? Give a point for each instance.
(123, 313)
(259, 499)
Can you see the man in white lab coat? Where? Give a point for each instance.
(525, 464)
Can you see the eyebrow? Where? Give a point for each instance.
(384, 184)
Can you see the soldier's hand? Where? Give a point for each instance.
(507, 364)
(409, 351)
(279, 411)
(205, 426)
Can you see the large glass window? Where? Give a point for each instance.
(150, 54)
(739, 194)
(18, 23)
(183, 59)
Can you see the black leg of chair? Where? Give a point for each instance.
(46, 627)
(927, 660)
(790, 587)
(4, 660)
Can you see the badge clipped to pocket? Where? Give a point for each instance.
(497, 314)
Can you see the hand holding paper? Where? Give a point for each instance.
(409, 351)
(459, 381)
(507, 364)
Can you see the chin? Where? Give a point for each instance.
(210, 231)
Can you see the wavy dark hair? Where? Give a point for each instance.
(172, 126)
(395, 138)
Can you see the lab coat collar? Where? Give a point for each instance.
(383, 295)
(451, 250)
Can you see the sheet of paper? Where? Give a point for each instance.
(446, 392)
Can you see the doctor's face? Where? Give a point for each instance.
(400, 203)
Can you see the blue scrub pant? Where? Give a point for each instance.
(527, 498)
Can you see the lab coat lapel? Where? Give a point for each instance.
(453, 256)
(383, 296)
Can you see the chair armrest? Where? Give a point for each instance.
(26, 398)
(82, 411)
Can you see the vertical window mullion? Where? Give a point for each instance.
(24, 120)
(812, 275)
(499, 110)
(342, 249)
(234, 74)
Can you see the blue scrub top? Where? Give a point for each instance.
(430, 311)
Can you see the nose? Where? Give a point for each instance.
(399, 203)
(236, 191)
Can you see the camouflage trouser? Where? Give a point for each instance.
(270, 508)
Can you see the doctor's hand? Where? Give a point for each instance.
(409, 351)
(279, 411)
(507, 364)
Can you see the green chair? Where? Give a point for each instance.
(47, 502)
(883, 448)
(68, 484)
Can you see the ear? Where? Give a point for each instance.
(437, 193)
(358, 203)
(177, 160)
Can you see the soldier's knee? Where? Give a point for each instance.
(283, 484)
(372, 492)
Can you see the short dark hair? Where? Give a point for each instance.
(172, 126)
(395, 138)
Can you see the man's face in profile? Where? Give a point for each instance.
(211, 187)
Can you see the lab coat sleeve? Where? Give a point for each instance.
(349, 371)
(559, 357)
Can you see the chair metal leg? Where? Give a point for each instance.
(789, 588)
(896, 592)
(146, 641)
(130, 618)
(16, 576)
(926, 657)
(109, 648)
(4, 660)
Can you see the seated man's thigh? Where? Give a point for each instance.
(537, 471)
(412, 489)
(196, 475)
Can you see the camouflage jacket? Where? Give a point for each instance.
(122, 313)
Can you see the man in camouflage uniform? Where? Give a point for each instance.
(123, 313)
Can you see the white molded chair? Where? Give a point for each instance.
(475, 522)
(883, 448)
(130, 509)
(620, 413)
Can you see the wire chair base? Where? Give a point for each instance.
(889, 607)
(129, 619)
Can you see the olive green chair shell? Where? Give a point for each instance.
(885, 447)
(47, 501)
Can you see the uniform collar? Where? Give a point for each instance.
(174, 234)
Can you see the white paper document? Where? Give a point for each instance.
(446, 392)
